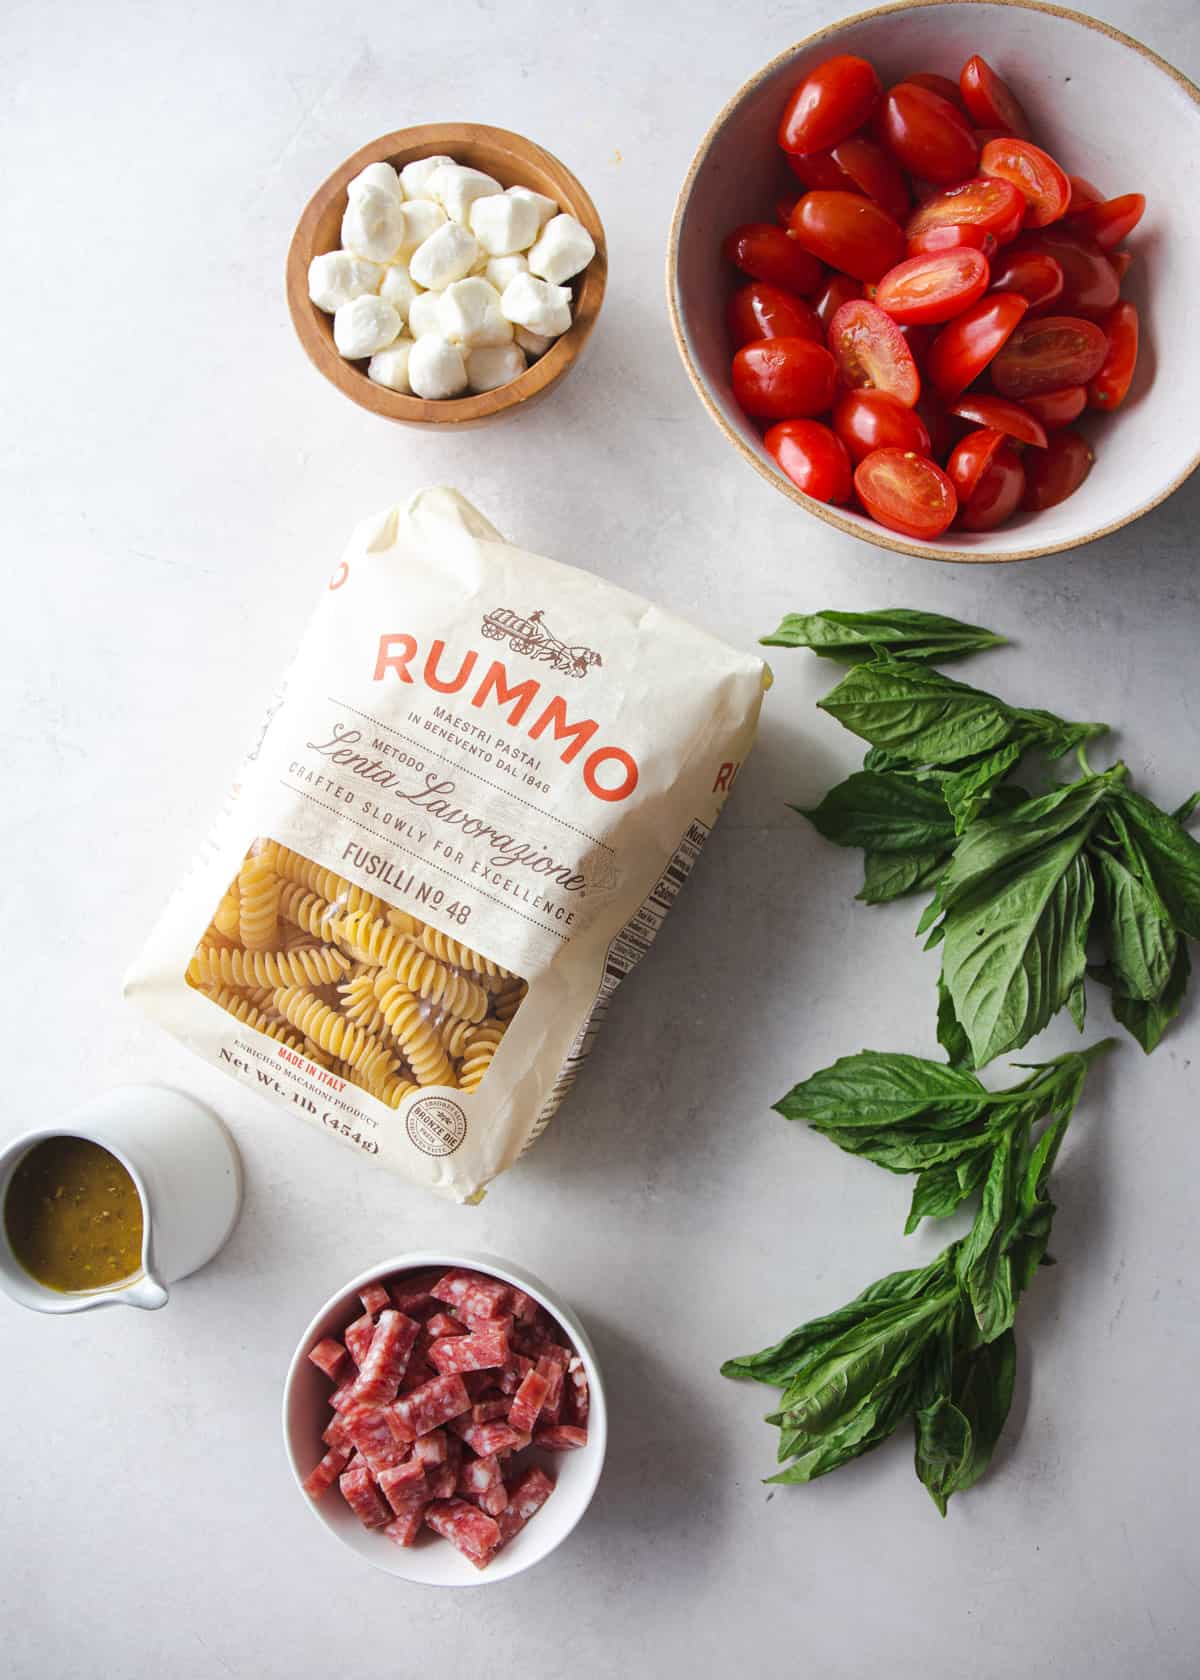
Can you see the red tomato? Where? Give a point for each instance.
(1083, 193)
(830, 103)
(1047, 353)
(998, 494)
(1002, 416)
(1055, 473)
(906, 492)
(784, 205)
(848, 232)
(990, 102)
(819, 172)
(1090, 285)
(918, 338)
(994, 206)
(783, 378)
(945, 429)
(870, 352)
(1120, 261)
(837, 290)
(934, 287)
(874, 172)
(761, 310)
(1109, 387)
(964, 347)
(1057, 408)
(867, 420)
(812, 457)
(768, 253)
(968, 459)
(1037, 277)
(928, 134)
(944, 86)
(1034, 173)
(948, 236)
(1110, 222)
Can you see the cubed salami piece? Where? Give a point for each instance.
(383, 1367)
(404, 1529)
(487, 1411)
(442, 1324)
(536, 1346)
(369, 1427)
(456, 1286)
(483, 1350)
(578, 1395)
(526, 1497)
(363, 1497)
(477, 1475)
(418, 1372)
(494, 1500)
(554, 1374)
(528, 1401)
(414, 1303)
(486, 1438)
(405, 1485)
(331, 1357)
(472, 1531)
(336, 1434)
(514, 1371)
(443, 1481)
(374, 1298)
(435, 1402)
(524, 1306)
(476, 1307)
(431, 1447)
(562, 1437)
(342, 1398)
(320, 1479)
(359, 1336)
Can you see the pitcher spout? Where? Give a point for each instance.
(147, 1292)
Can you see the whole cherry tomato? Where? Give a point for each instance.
(906, 492)
(998, 494)
(768, 253)
(1108, 388)
(928, 135)
(837, 290)
(819, 172)
(1083, 193)
(848, 232)
(935, 286)
(1036, 276)
(990, 102)
(871, 353)
(784, 205)
(812, 457)
(968, 460)
(830, 103)
(1090, 284)
(1034, 173)
(966, 345)
(994, 206)
(1110, 222)
(943, 86)
(1057, 408)
(761, 310)
(948, 236)
(1002, 416)
(918, 336)
(1047, 353)
(867, 420)
(783, 378)
(874, 171)
(1053, 474)
(944, 428)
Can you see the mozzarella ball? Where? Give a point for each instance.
(421, 218)
(415, 176)
(364, 325)
(456, 189)
(423, 314)
(436, 368)
(533, 344)
(564, 246)
(533, 303)
(373, 225)
(336, 277)
(397, 288)
(380, 175)
(469, 313)
(500, 270)
(492, 365)
(545, 207)
(447, 255)
(503, 224)
(390, 367)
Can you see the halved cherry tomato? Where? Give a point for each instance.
(945, 429)
(949, 236)
(761, 310)
(766, 252)
(934, 287)
(1090, 284)
(918, 337)
(813, 458)
(1057, 408)
(969, 458)
(783, 378)
(1034, 173)
(966, 345)
(1120, 261)
(1055, 473)
(1047, 353)
(873, 171)
(848, 232)
(1112, 221)
(1109, 387)
(1083, 193)
(1002, 416)
(837, 290)
(990, 102)
(928, 134)
(830, 103)
(1035, 275)
(871, 353)
(944, 86)
(998, 494)
(984, 202)
(906, 492)
(867, 420)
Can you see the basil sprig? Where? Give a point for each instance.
(850, 636)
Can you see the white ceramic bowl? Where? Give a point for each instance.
(1110, 110)
(433, 1561)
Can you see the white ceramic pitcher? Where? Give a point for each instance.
(188, 1174)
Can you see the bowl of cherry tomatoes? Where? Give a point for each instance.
(931, 273)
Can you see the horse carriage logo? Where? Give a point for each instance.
(533, 637)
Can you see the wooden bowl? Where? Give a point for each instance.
(1110, 110)
(515, 162)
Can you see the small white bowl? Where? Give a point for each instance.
(1110, 110)
(434, 1562)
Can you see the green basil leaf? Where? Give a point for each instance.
(906, 707)
(982, 1392)
(1141, 944)
(905, 633)
(939, 1190)
(1171, 856)
(967, 791)
(891, 875)
(865, 1428)
(944, 1449)
(882, 813)
(877, 1088)
(906, 1152)
(983, 1267)
(950, 1035)
(1077, 1002)
(1183, 812)
(1054, 736)
(1149, 1021)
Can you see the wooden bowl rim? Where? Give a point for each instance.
(394, 405)
(823, 510)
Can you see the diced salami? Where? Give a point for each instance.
(430, 1448)
(443, 1482)
(475, 1534)
(418, 1372)
(369, 1427)
(563, 1437)
(435, 1402)
(483, 1350)
(526, 1497)
(405, 1485)
(487, 1411)
(342, 1398)
(577, 1393)
(476, 1307)
(528, 1402)
(404, 1529)
(513, 1372)
(494, 1500)
(537, 1346)
(457, 1286)
(442, 1324)
(359, 1336)
(524, 1306)
(414, 1303)
(363, 1497)
(486, 1438)
(554, 1374)
(329, 1356)
(477, 1475)
(374, 1298)
(383, 1367)
(321, 1479)
(336, 1434)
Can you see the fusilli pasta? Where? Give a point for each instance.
(315, 965)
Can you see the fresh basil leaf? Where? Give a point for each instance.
(1147, 1022)
(1141, 943)
(983, 1267)
(870, 1424)
(876, 1088)
(1077, 1003)
(944, 1449)
(981, 1392)
(905, 633)
(1171, 856)
(941, 1189)
(882, 813)
(1053, 735)
(929, 717)
(892, 875)
(1183, 812)
(967, 791)
(906, 1151)
(950, 1035)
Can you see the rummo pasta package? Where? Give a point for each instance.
(481, 787)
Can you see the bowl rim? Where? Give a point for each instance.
(349, 379)
(508, 1271)
(831, 515)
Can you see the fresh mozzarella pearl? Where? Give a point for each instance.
(456, 189)
(336, 277)
(380, 175)
(533, 303)
(436, 368)
(390, 367)
(415, 177)
(423, 314)
(500, 270)
(503, 224)
(533, 344)
(492, 365)
(373, 225)
(447, 255)
(469, 313)
(364, 325)
(545, 207)
(421, 218)
(563, 248)
(397, 287)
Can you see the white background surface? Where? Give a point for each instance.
(176, 482)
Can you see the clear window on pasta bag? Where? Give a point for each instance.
(358, 985)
